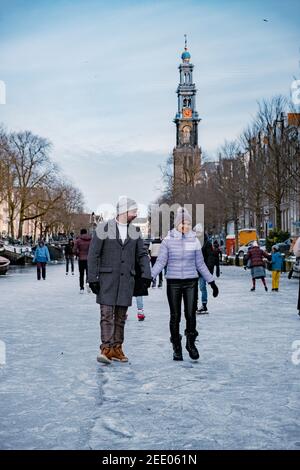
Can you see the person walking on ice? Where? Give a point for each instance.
(255, 258)
(117, 250)
(81, 249)
(69, 256)
(41, 257)
(181, 251)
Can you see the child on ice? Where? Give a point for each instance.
(277, 265)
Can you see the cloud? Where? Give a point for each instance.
(99, 78)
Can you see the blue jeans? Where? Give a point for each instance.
(202, 287)
(139, 302)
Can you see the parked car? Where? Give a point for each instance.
(243, 250)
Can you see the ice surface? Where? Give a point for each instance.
(243, 393)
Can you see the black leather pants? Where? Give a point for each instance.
(186, 289)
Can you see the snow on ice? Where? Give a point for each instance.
(243, 393)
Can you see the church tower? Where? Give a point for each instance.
(186, 154)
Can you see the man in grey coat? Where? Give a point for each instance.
(116, 249)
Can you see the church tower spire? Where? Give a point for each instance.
(187, 153)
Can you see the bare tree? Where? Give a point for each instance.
(3, 165)
(261, 168)
(251, 143)
(34, 172)
(291, 142)
(270, 121)
(231, 182)
(55, 209)
(8, 180)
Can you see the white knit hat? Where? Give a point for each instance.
(125, 204)
(182, 216)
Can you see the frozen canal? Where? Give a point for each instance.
(244, 392)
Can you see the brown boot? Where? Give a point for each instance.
(105, 355)
(117, 354)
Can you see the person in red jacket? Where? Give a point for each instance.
(82, 245)
(255, 257)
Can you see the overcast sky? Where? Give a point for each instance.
(98, 78)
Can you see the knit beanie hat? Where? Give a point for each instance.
(125, 204)
(182, 216)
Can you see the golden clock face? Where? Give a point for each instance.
(187, 112)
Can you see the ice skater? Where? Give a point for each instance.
(140, 308)
(154, 248)
(41, 257)
(181, 250)
(69, 256)
(81, 250)
(140, 291)
(255, 260)
(211, 254)
(276, 266)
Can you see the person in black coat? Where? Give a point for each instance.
(69, 256)
(212, 255)
(217, 256)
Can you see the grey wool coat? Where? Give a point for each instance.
(112, 263)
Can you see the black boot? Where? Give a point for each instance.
(190, 346)
(203, 310)
(177, 349)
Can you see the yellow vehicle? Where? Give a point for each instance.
(247, 235)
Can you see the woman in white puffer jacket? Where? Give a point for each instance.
(181, 252)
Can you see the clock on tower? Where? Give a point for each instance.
(187, 112)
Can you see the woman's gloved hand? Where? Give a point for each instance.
(215, 289)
